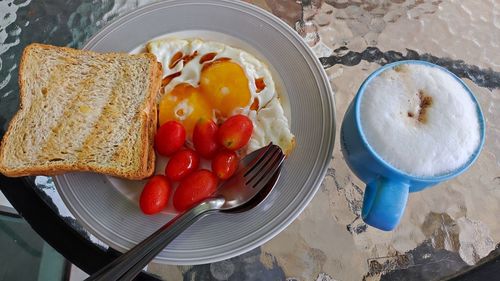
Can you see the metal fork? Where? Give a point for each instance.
(258, 171)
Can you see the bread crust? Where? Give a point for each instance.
(148, 115)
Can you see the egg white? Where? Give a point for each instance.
(269, 120)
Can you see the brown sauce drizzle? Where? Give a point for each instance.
(255, 104)
(188, 58)
(167, 79)
(207, 57)
(260, 84)
(176, 58)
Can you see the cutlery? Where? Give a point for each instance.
(257, 175)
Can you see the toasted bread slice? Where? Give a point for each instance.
(83, 111)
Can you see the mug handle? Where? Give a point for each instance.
(384, 203)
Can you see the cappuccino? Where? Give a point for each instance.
(420, 119)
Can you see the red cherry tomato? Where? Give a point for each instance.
(181, 164)
(225, 163)
(205, 138)
(170, 138)
(235, 132)
(154, 196)
(194, 188)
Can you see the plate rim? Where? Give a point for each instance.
(328, 100)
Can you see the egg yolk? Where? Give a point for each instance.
(226, 86)
(223, 88)
(185, 104)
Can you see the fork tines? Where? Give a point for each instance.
(265, 167)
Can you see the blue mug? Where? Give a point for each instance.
(387, 188)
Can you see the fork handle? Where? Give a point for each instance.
(128, 265)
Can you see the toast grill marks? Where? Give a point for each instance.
(124, 125)
(62, 90)
(44, 98)
(65, 141)
(107, 120)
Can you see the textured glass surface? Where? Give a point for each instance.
(446, 229)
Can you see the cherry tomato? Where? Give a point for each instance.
(181, 164)
(225, 163)
(194, 188)
(170, 138)
(235, 132)
(205, 138)
(154, 196)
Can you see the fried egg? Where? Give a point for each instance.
(205, 79)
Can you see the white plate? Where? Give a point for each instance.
(107, 207)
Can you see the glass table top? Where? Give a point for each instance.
(445, 230)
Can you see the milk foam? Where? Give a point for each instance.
(429, 142)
